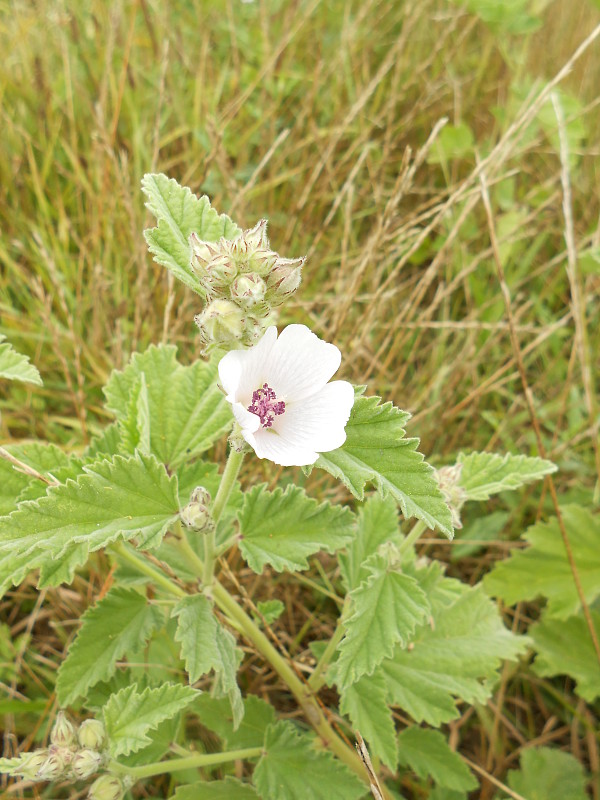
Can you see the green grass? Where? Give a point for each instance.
(317, 116)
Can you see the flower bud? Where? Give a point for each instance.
(248, 290)
(197, 514)
(256, 237)
(106, 787)
(284, 279)
(221, 322)
(30, 764)
(455, 496)
(92, 734)
(63, 732)
(85, 763)
(53, 767)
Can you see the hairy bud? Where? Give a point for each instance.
(455, 496)
(248, 290)
(92, 734)
(53, 767)
(221, 323)
(85, 763)
(30, 764)
(63, 732)
(197, 514)
(106, 787)
(284, 279)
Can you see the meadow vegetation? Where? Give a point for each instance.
(437, 162)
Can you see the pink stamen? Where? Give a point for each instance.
(265, 405)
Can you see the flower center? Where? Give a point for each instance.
(266, 405)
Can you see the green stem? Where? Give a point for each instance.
(232, 468)
(140, 563)
(412, 537)
(317, 679)
(189, 762)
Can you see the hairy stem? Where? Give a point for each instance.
(317, 679)
(412, 537)
(142, 565)
(232, 468)
(188, 762)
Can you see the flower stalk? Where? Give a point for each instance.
(188, 762)
(232, 468)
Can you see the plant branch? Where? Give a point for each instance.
(188, 762)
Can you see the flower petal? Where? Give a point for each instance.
(318, 422)
(241, 371)
(248, 422)
(268, 444)
(299, 363)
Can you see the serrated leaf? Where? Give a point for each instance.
(228, 789)
(564, 647)
(16, 367)
(377, 524)
(215, 714)
(291, 769)
(366, 704)
(428, 755)
(375, 451)
(135, 430)
(45, 458)
(123, 498)
(225, 684)
(455, 655)
(106, 444)
(485, 474)
(187, 411)
(179, 213)
(283, 528)
(384, 610)
(111, 628)
(548, 774)
(270, 610)
(543, 570)
(129, 715)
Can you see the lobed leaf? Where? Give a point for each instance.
(227, 789)
(16, 367)
(548, 774)
(428, 755)
(283, 528)
(129, 715)
(114, 626)
(485, 474)
(376, 451)
(215, 714)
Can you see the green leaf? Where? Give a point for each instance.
(47, 459)
(215, 714)
(377, 524)
(135, 430)
(366, 704)
(548, 774)
(485, 474)
(225, 684)
(384, 610)
(114, 626)
(375, 451)
(187, 411)
(428, 755)
(291, 769)
(228, 789)
(124, 498)
(180, 213)
(129, 715)
(456, 654)
(16, 367)
(543, 570)
(564, 647)
(270, 610)
(284, 528)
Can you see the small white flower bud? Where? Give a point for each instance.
(256, 237)
(455, 496)
(53, 767)
(30, 764)
(92, 734)
(221, 322)
(284, 279)
(196, 514)
(248, 290)
(106, 787)
(63, 732)
(85, 763)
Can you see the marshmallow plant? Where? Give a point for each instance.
(229, 703)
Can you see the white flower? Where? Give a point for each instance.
(280, 396)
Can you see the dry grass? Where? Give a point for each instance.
(325, 118)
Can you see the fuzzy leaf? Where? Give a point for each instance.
(179, 213)
(135, 430)
(564, 647)
(485, 474)
(228, 789)
(291, 769)
(16, 367)
(114, 626)
(455, 655)
(47, 459)
(121, 498)
(366, 704)
(548, 774)
(225, 683)
(428, 755)
(375, 451)
(215, 714)
(129, 715)
(187, 411)
(284, 528)
(384, 611)
(542, 570)
(377, 524)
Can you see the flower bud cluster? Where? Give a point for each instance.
(455, 496)
(74, 754)
(196, 514)
(244, 280)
